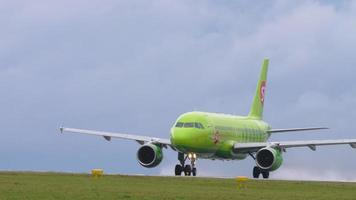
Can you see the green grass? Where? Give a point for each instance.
(17, 185)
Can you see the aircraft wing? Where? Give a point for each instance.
(295, 129)
(108, 135)
(254, 147)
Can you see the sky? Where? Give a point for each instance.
(135, 66)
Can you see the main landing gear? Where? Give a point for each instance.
(187, 169)
(257, 171)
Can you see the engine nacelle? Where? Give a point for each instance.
(269, 159)
(149, 155)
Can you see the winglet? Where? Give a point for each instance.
(61, 129)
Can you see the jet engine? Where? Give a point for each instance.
(149, 155)
(269, 159)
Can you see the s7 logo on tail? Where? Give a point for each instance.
(262, 91)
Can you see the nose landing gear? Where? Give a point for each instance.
(187, 169)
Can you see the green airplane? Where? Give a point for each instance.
(203, 135)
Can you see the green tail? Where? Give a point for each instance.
(256, 111)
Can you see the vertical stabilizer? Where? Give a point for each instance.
(259, 99)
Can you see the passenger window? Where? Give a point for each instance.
(179, 124)
(189, 125)
(197, 125)
(201, 126)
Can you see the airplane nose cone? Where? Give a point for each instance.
(181, 138)
(177, 137)
(188, 140)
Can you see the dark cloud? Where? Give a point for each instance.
(134, 66)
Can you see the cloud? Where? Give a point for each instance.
(134, 66)
(293, 173)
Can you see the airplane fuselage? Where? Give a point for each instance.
(212, 135)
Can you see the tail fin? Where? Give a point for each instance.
(258, 101)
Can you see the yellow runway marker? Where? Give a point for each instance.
(241, 181)
(97, 172)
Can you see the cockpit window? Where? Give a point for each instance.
(179, 124)
(199, 125)
(189, 125)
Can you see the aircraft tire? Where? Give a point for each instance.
(194, 171)
(256, 172)
(187, 170)
(265, 174)
(178, 170)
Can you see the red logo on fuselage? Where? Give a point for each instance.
(262, 91)
(216, 137)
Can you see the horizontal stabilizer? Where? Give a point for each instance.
(296, 129)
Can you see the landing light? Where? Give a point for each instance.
(192, 155)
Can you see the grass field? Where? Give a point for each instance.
(17, 185)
